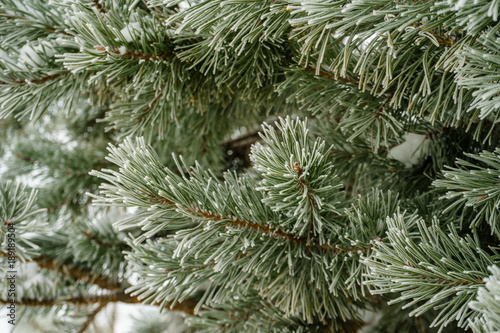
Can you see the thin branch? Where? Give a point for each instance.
(45, 27)
(295, 240)
(113, 318)
(330, 76)
(134, 55)
(77, 273)
(118, 296)
(267, 230)
(90, 317)
(443, 39)
(153, 102)
(187, 306)
(36, 81)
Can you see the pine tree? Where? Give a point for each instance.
(251, 165)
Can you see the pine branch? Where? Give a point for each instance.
(273, 232)
(50, 29)
(487, 304)
(73, 271)
(37, 81)
(155, 101)
(118, 296)
(442, 271)
(443, 39)
(474, 186)
(77, 273)
(187, 306)
(330, 76)
(134, 55)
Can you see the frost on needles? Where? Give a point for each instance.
(240, 235)
(252, 165)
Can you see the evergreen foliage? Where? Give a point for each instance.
(253, 166)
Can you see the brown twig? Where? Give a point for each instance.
(77, 273)
(116, 296)
(117, 293)
(442, 39)
(330, 76)
(37, 81)
(91, 316)
(273, 232)
(99, 6)
(187, 306)
(51, 29)
(134, 55)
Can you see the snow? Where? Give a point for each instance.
(131, 31)
(26, 9)
(412, 151)
(8, 61)
(28, 274)
(460, 4)
(31, 54)
(184, 5)
(125, 313)
(123, 322)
